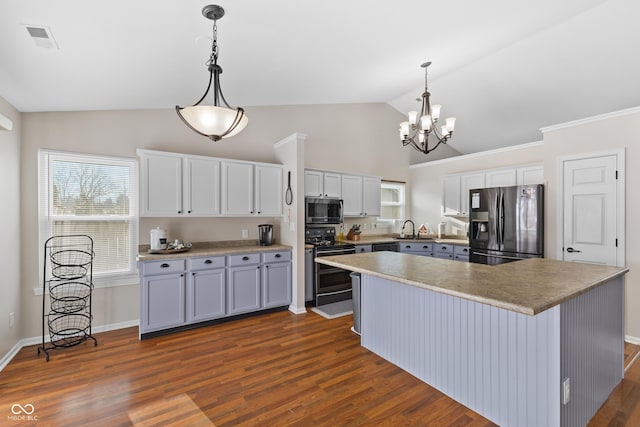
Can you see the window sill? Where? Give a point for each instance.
(106, 282)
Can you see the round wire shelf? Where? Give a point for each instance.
(69, 329)
(70, 263)
(69, 297)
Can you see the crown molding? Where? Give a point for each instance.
(479, 154)
(592, 119)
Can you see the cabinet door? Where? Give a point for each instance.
(500, 178)
(308, 274)
(313, 181)
(206, 294)
(332, 185)
(451, 195)
(237, 188)
(371, 196)
(202, 186)
(276, 284)
(163, 301)
(530, 175)
(268, 190)
(467, 182)
(243, 289)
(352, 195)
(160, 184)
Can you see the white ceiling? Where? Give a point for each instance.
(504, 68)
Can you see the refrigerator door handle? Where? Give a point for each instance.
(497, 220)
(501, 220)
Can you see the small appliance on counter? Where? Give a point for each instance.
(265, 234)
(158, 239)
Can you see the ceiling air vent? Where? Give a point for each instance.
(42, 36)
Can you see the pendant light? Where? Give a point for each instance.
(213, 121)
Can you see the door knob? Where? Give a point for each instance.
(571, 250)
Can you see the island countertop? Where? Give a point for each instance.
(529, 286)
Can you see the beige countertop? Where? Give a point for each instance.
(530, 286)
(212, 249)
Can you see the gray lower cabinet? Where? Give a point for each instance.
(206, 289)
(363, 248)
(276, 279)
(178, 292)
(461, 253)
(443, 251)
(163, 295)
(243, 291)
(308, 274)
(416, 248)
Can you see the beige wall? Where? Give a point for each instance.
(610, 133)
(10, 230)
(359, 138)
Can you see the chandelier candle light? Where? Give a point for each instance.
(419, 128)
(213, 121)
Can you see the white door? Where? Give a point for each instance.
(590, 210)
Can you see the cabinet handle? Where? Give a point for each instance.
(258, 267)
(245, 258)
(408, 247)
(425, 247)
(165, 265)
(181, 275)
(266, 266)
(188, 211)
(193, 274)
(278, 255)
(208, 261)
(251, 212)
(179, 212)
(259, 212)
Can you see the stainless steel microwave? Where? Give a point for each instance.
(323, 211)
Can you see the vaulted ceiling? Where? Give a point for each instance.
(504, 68)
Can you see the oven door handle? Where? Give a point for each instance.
(335, 252)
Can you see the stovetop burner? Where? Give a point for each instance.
(324, 237)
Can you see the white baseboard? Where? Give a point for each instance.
(632, 340)
(38, 340)
(297, 310)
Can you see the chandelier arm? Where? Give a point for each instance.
(236, 121)
(206, 92)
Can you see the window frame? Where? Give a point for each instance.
(46, 219)
(402, 203)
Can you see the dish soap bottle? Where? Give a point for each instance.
(341, 233)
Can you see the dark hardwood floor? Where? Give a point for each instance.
(274, 369)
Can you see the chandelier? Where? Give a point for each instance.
(213, 121)
(417, 131)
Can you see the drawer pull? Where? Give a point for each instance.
(278, 255)
(245, 258)
(425, 247)
(165, 265)
(208, 261)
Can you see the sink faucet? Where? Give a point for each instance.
(413, 228)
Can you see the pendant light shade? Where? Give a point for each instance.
(213, 121)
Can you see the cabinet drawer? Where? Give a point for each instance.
(243, 259)
(415, 247)
(443, 249)
(276, 256)
(162, 267)
(363, 248)
(206, 262)
(461, 250)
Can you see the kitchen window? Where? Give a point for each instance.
(97, 196)
(392, 201)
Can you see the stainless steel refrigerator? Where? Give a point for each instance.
(506, 224)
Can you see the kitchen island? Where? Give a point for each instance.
(530, 343)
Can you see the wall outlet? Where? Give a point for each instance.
(12, 319)
(245, 234)
(566, 390)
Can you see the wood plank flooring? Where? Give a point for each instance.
(276, 369)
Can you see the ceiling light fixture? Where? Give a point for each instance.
(419, 128)
(213, 121)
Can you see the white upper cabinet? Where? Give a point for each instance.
(181, 185)
(160, 184)
(467, 182)
(451, 195)
(268, 190)
(501, 178)
(531, 175)
(201, 186)
(322, 184)
(251, 189)
(332, 185)
(352, 195)
(371, 196)
(237, 188)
